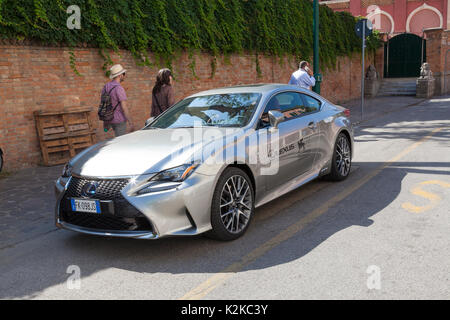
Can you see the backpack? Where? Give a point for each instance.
(105, 109)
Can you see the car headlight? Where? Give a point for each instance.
(168, 179)
(67, 171)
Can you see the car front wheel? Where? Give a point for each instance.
(232, 205)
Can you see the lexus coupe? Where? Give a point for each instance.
(205, 164)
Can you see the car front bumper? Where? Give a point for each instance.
(106, 233)
(182, 211)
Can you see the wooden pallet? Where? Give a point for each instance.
(63, 134)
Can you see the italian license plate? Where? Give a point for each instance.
(87, 206)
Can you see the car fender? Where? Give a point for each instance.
(229, 156)
(344, 125)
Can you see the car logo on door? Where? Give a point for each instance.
(301, 145)
(89, 189)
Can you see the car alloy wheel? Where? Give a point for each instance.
(342, 159)
(233, 205)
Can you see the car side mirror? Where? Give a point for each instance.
(275, 118)
(149, 120)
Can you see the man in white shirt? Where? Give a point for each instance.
(303, 77)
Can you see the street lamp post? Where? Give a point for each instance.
(316, 47)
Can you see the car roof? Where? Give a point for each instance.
(263, 88)
(249, 88)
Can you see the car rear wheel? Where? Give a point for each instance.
(342, 159)
(1, 160)
(232, 205)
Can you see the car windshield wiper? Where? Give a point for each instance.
(181, 127)
(203, 125)
(211, 125)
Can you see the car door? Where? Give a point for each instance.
(295, 148)
(313, 116)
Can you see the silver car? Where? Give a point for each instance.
(205, 164)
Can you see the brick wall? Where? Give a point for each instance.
(367, 3)
(40, 78)
(338, 6)
(438, 53)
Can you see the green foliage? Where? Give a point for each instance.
(72, 61)
(275, 28)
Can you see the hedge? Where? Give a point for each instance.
(166, 27)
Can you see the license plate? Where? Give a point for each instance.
(87, 206)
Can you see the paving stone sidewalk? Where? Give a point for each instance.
(27, 204)
(27, 197)
(379, 106)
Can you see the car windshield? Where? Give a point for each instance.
(222, 110)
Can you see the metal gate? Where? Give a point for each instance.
(403, 56)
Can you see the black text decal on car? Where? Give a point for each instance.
(286, 149)
(281, 151)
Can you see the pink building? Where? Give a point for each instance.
(398, 16)
(404, 24)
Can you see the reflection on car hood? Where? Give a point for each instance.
(141, 152)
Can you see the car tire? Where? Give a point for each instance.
(1, 160)
(342, 159)
(233, 205)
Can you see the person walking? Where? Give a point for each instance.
(163, 93)
(118, 101)
(303, 77)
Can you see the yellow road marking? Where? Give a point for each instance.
(437, 182)
(433, 198)
(216, 280)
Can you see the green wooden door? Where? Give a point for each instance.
(403, 56)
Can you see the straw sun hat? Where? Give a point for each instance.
(116, 70)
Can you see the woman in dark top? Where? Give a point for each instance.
(162, 95)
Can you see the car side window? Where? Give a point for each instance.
(273, 104)
(311, 104)
(291, 104)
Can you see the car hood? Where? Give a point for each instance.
(144, 152)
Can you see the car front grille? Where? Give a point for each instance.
(124, 218)
(106, 190)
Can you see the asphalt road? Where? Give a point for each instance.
(384, 233)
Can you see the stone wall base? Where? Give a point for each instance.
(371, 87)
(425, 88)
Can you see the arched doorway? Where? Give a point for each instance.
(403, 56)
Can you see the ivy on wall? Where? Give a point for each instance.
(166, 27)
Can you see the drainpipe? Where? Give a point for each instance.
(316, 66)
(387, 60)
(423, 39)
(445, 71)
